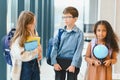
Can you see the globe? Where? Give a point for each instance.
(100, 51)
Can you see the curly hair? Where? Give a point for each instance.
(111, 37)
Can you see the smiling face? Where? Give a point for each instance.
(101, 32)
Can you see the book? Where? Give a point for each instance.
(31, 45)
(30, 38)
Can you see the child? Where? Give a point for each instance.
(106, 36)
(68, 57)
(25, 64)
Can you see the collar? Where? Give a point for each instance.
(75, 29)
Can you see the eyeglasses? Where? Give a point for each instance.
(67, 17)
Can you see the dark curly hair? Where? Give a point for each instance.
(111, 37)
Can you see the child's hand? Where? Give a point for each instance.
(107, 63)
(57, 67)
(91, 61)
(71, 69)
(39, 49)
(39, 56)
(96, 63)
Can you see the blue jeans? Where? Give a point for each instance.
(30, 70)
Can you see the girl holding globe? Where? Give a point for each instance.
(105, 35)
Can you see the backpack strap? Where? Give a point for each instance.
(93, 43)
(50, 45)
(59, 35)
(11, 33)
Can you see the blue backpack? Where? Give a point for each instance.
(6, 46)
(50, 45)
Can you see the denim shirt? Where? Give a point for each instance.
(71, 46)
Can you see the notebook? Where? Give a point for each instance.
(31, 43)
(30, 38)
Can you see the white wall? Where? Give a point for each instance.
(117, 19)
(106, 10)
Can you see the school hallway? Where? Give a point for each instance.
(49, 15)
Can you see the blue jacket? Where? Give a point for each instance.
(71, 46)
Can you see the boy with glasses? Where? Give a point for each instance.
(66, 56)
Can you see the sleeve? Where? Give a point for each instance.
(114, 57)
(88, 54)
(54, 50)
(18, 52)
(77, 58)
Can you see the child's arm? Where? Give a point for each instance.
(88, 54)
(29, 55)
(18, 52)
(39, 52)
(88, 58)
(113, 59)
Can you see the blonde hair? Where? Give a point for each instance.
(25, 18)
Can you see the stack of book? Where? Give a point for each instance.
(31, 43)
